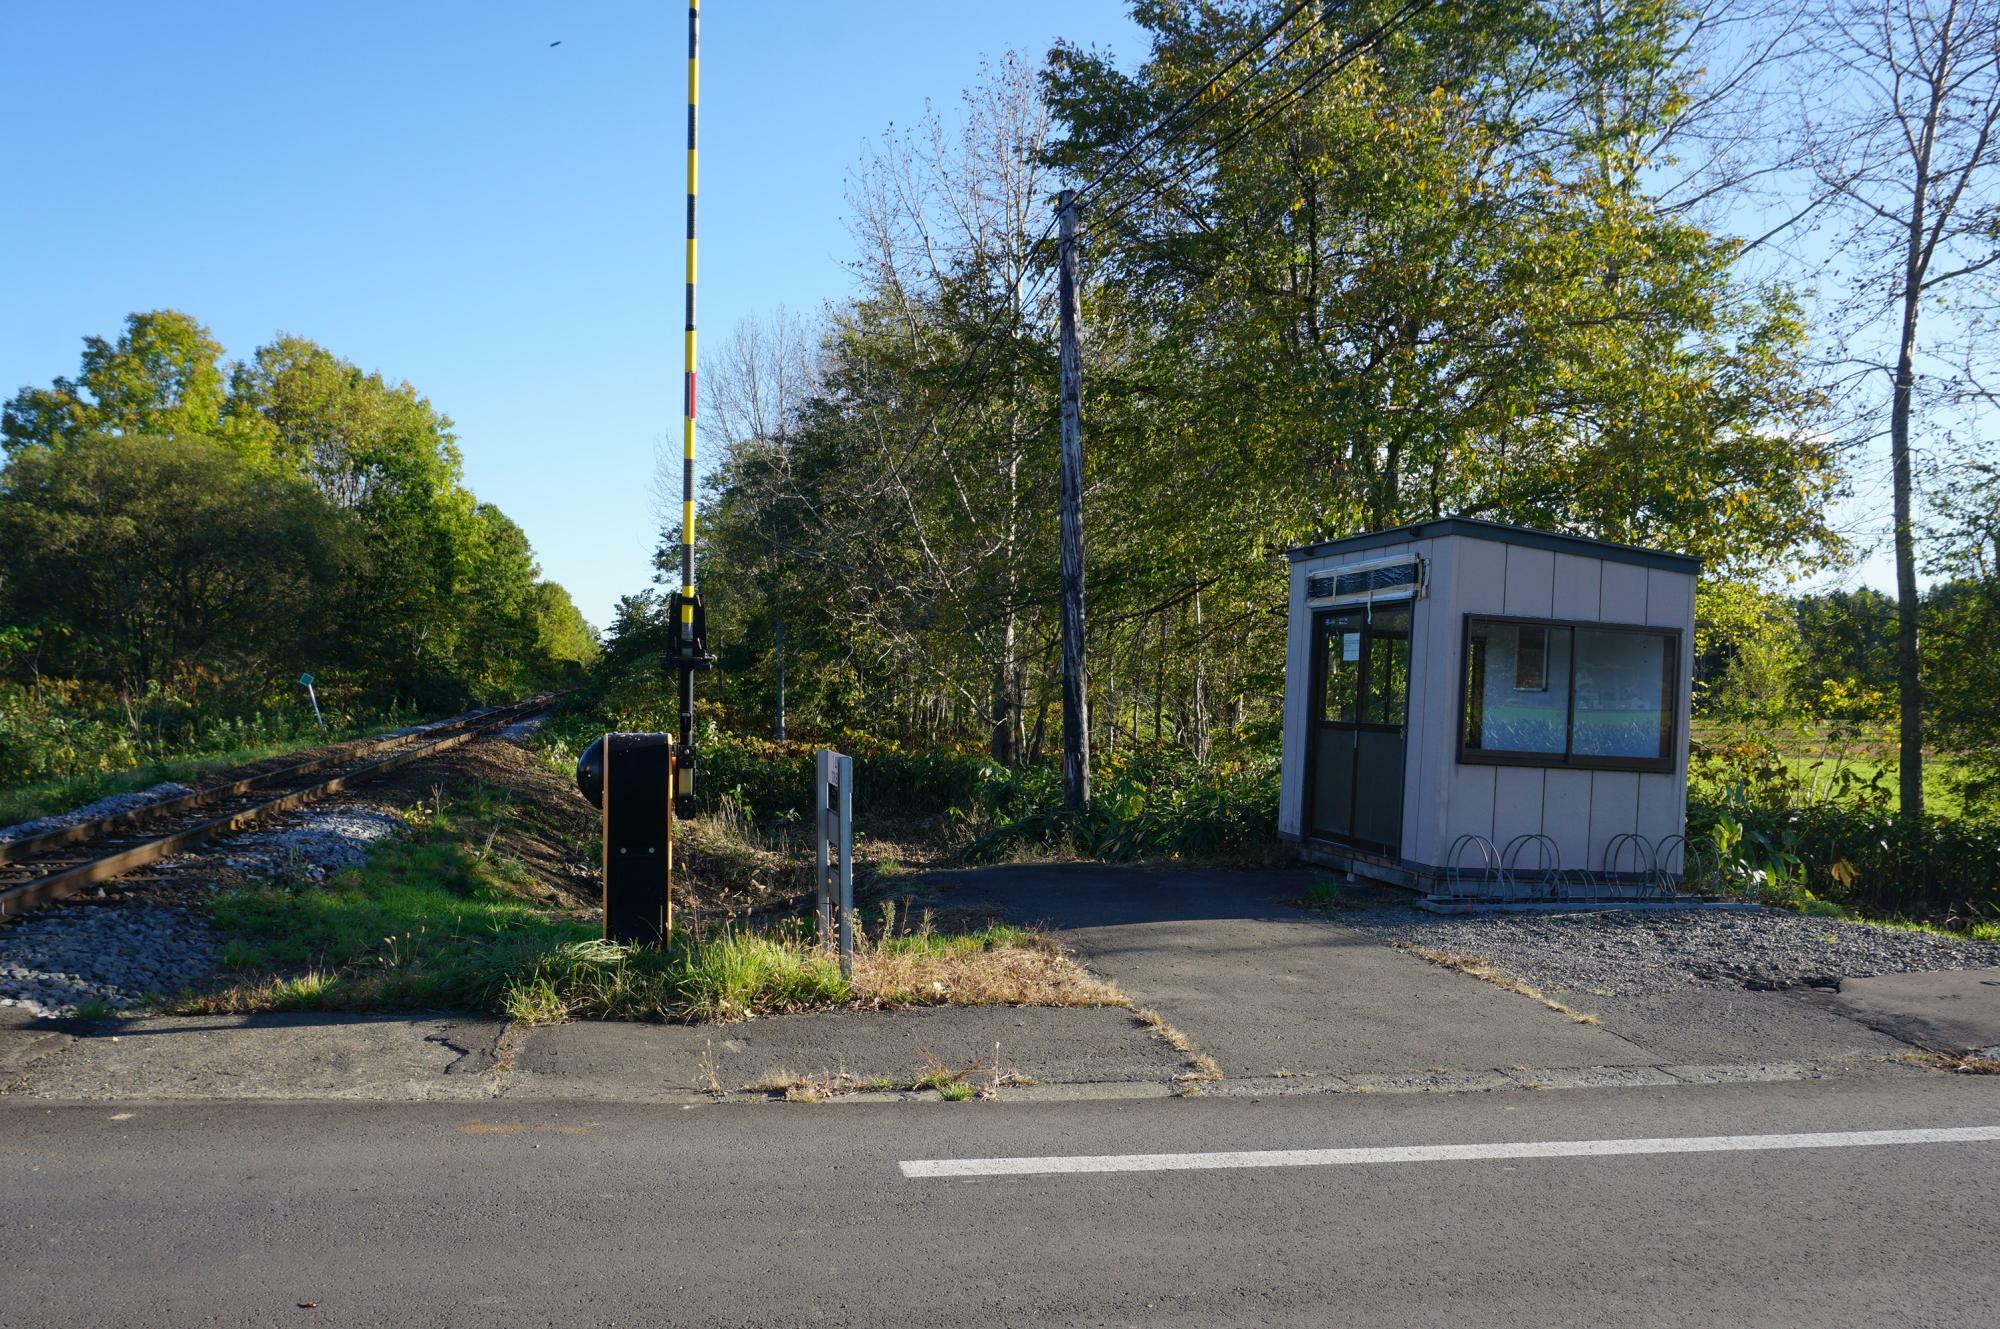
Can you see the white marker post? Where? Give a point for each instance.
(834, 858)
(313, 697)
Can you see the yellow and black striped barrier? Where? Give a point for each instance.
(689, 652)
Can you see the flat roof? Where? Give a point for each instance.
(1478, 529)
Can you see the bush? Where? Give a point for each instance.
(63, 744)
(1829, 835)
(1938, 868)
(769, 779)
(1156, 800)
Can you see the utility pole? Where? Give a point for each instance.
(778, 633)
(1076, 698)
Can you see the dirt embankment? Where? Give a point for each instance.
(544, 824)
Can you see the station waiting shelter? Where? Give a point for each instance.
(1489, 713)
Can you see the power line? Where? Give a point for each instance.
(960, 385)
(1189, 100)
(1018, 301)
(1316, 76)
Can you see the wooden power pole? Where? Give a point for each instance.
(1076, 697)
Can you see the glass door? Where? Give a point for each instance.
(1361, 669)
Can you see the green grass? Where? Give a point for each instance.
(722, 976)
(1989, 932)
(433, 922)
(924, 942)
(441, 920)
(25, 802)
(1324, 893)
(1942, 777)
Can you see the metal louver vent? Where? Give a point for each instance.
(1399, 578)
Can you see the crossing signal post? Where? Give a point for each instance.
(641, 782)
(687, 653)
(630, 779)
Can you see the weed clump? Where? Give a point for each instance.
(440, 921)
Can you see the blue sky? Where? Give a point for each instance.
(435, 192)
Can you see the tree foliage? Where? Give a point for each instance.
(1431, 282)
(169, 521)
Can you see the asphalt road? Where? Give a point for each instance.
(513, 1213)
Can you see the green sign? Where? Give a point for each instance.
(306, 679)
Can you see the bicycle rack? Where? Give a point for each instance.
(1548, 862)
(1670, 865)
(1642, 856)
(1576, 884)
(1490, 870)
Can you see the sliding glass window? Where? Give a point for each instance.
(1544, 693)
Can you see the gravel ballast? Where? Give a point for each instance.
(1635, 953)
(121, 956)
(313, 845)
(108, 806)
(117, 956)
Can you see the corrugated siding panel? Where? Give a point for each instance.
(1577, 583)
(1662, 806)
(1434, 647)
(1663, 798)
(1482, 576)
(1623, 596)
(1531, 575)
(1480, 583)
(1614, 810)
(1468, 810)
(1517, 805)
(1566, 814)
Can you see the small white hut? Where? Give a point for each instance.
(1489, 712)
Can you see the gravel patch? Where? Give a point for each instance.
(1633, 953)
(109, 806)
(409, 729)
(54, 962)
(521, 729)
(313, 845)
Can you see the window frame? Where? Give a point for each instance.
(1568, 758)
(1363, 678)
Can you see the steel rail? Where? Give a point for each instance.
(14, 851)
(70, 880)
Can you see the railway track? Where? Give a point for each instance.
(42, 868)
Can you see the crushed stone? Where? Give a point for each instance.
(1637, 952)
(314, 844)
(117, 957)
(109, 806)
(522, 729)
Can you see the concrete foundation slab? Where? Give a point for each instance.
(1267, 989)
(273, 1056)
(1954, 1009)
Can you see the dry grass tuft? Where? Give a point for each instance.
(1200, 1068)
(979, 1078)
(1161, 1030)
(1038, 973)
(1484, 970)
(1958, 1063)
(812, 1086)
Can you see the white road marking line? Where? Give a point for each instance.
(1434, 1153)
